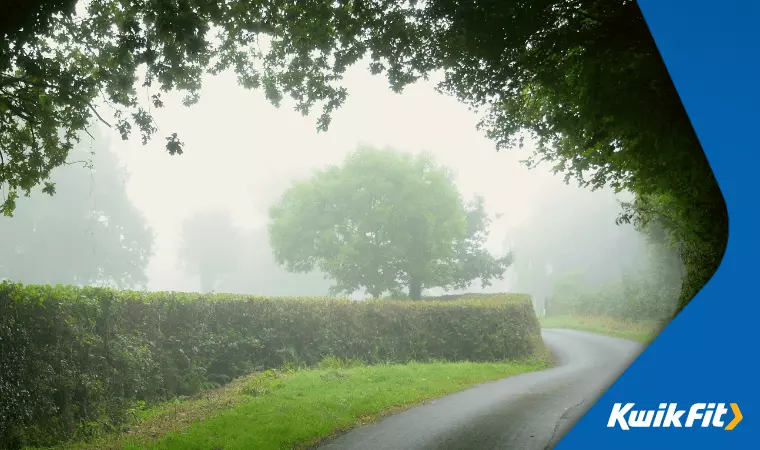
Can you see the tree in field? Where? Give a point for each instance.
(88, 234)
(384, 221)
(210, 248)
(583, 77)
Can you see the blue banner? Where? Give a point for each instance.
(696, 385)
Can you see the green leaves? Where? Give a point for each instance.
(53, 74)
(87, 356)
(648, 290)
(90, 216)
(584, 78)
(174, 145)
(383, 220)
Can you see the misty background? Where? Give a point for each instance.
(132, 216)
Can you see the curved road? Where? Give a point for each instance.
(523, 412)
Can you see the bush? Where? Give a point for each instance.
(77, 361)
(500, 297)
(488, 298)
(630, 299)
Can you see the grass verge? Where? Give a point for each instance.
(297, 409)
(643, 332)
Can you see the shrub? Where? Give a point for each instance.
(77, 361)
(630, 299)
(500, 297)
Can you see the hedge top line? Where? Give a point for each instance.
(33, 293)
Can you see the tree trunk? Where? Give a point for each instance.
(415, 289)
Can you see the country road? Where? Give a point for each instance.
(524, 412)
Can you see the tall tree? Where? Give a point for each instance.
(211, 247)
(90, 233)
(382, 221)
(584, 77)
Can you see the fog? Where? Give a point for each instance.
(241, 154)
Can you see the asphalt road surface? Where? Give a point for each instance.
(524, 412)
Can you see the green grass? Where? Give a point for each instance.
(636, 331)
(296, 409)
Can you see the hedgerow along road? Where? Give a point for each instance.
(524, 412)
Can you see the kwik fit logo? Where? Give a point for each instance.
(668, 415)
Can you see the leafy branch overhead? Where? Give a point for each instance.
(88, 234)
(72, 67)
(384, 221)
(583, 77)
(77, 67)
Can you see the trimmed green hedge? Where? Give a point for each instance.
(77, 361)
(501, 297)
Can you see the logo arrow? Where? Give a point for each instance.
(737, 417)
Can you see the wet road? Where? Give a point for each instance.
(524, 412)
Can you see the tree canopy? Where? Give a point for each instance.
(583, 77)
(88, 234)
(382, 221)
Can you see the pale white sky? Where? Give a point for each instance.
(239, 150)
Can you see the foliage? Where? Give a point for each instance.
(76, 361)
(587, 241)
(699, 240)
(583, 77)
(211, 247)
(473, 297)
(567, 289)
(586, 81)
(648, 292)
(89, 234)
(382, 221)
(631, 298)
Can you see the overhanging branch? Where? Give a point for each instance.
(98, 115)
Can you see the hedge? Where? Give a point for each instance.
(483, 298)
(628, 302)
(77, 361)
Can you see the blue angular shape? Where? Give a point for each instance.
(708, 353)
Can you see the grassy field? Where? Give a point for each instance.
(295, 409)
(635, 331)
